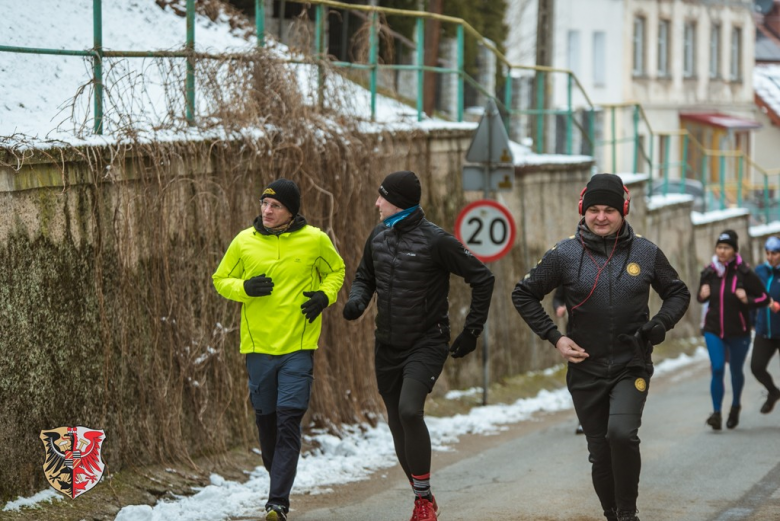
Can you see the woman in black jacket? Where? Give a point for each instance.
(730, 289)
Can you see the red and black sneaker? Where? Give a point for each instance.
(425, 510)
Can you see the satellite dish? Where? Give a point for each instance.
(763, 6)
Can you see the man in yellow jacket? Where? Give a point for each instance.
(285, 273)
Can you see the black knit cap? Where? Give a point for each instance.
(401, 189)
(606, 189)
(286, 192)
(729, 237)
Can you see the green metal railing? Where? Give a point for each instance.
(627, 140)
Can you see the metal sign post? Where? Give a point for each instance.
(490, 147)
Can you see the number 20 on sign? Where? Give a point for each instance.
(487, 229)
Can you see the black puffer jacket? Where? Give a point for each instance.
(409, 266)
(599, 312)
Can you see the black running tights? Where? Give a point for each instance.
(763, 350)
(405, 416)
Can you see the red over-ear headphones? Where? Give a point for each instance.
(626, 203)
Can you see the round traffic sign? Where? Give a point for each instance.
(487, 229)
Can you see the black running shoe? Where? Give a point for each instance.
(733, 419)
(769, 404)
(715, 421)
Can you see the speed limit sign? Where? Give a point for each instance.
(487, 229)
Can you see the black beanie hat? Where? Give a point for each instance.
(606, 189)
(729, 237)
(286, 192)
(401, 189)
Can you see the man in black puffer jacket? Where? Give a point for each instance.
(607, 272)
(407, 262)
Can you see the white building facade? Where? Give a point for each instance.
(674, 57)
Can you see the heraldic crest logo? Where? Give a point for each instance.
(73, 463)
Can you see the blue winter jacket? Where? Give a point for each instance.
(768, 323)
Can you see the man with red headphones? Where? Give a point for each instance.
(606, 271)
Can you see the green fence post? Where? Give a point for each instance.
(260, 22)
(684, 171)
(614, 143)
(650, 153)
(636, 138)
(190, 90)
(667, 139)
(421, 73)
(97, 62)
(508, 99)
(569, 114)
(318, 31)
(461, 72)
(372, 60)
(592, 130)
(739, 182)
(282, 11)
(766, 199)
(540, 79)
(318, 23)
(722, 182)
(704, 182)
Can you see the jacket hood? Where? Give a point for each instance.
(298, 222)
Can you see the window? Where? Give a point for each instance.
(663, 48)
(573, 52)
(689, 50)
(715, 51)
(736, 54)
(639, 47)
(599, 58)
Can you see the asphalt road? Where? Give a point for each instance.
(539, 470)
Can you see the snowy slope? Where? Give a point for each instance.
(36, 92)
(34, 89)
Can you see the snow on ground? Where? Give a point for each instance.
(43, 496)
(356, 455)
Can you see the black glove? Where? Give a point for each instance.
(353, 309)
(314, 306)
(260, 286)
(463, 345)
(653, 332)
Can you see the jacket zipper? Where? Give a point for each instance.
(768, 316)
(608, 267)
(390, 284)
(722, 293)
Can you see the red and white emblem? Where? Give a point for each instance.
(73, 462)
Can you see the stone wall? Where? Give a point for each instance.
(110, 319)
(670, 228)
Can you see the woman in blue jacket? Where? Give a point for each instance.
(732, 289)
(767, 339)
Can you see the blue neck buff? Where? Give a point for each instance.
(393, 219)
